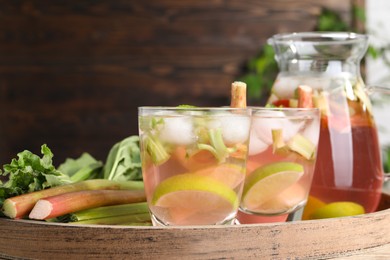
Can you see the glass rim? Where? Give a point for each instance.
(171, 108)
(284, 108)
(326, 38)
(287, 111)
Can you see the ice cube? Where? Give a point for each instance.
(311, 131)
(284, 87)
(235, 128)
(177, 130)
(256, 145)
(263, 125)
(276, 120)
(291, 128)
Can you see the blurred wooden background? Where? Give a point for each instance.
(72, 73)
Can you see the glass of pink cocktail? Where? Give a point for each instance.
(193, 163)
(281, 160)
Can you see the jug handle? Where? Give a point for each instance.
(381, 90)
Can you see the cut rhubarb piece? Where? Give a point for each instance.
(281, 103)
(293, 103)
(216, 140)
(305, 96)
(156, 150)
(303, 146)
(321, 102)
(277, 138)
(238, 94)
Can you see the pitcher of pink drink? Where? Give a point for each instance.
(323, 70)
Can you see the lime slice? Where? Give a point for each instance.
(230, 174)
(338, 209)
(201, 198)
(268, 181)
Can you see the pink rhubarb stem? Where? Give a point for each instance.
(66, 203)
(238, 95)
(305, 96)
(20, 206)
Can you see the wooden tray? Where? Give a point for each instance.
(295, 240)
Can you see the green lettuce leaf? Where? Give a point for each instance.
(123, 161)
(29, 173)
(83, 168)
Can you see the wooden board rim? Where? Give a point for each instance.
(310, 239)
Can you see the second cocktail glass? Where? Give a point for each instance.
(281, 161)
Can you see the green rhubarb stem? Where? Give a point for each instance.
(303, 146)
(20, 206)
(125, 219)
(86, 172)
(70, 202)
(110, 211)
(217, 143)
(277, 139)
(156, 150)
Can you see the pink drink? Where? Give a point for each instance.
(193, 163)
(282, 154)
(349, 165)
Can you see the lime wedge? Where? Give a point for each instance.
(194, 196)
(268, 181)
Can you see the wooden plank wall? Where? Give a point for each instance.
(72, 73)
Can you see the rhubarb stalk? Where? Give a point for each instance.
(55, 206)
(109, 211)
(133, 220)
(238, 95)
(20, 206)
(305, 96)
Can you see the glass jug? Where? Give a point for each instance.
(323, 70)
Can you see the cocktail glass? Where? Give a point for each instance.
(193, 163)
(281, 161)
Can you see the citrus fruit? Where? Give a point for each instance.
(230, 174)
(196, 161)
(267, 181)
(338, 209)
(284, 202)
(312, 205)
(196, 197)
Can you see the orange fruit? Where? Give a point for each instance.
(230, 174)
(200, 159)
(312, 205)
